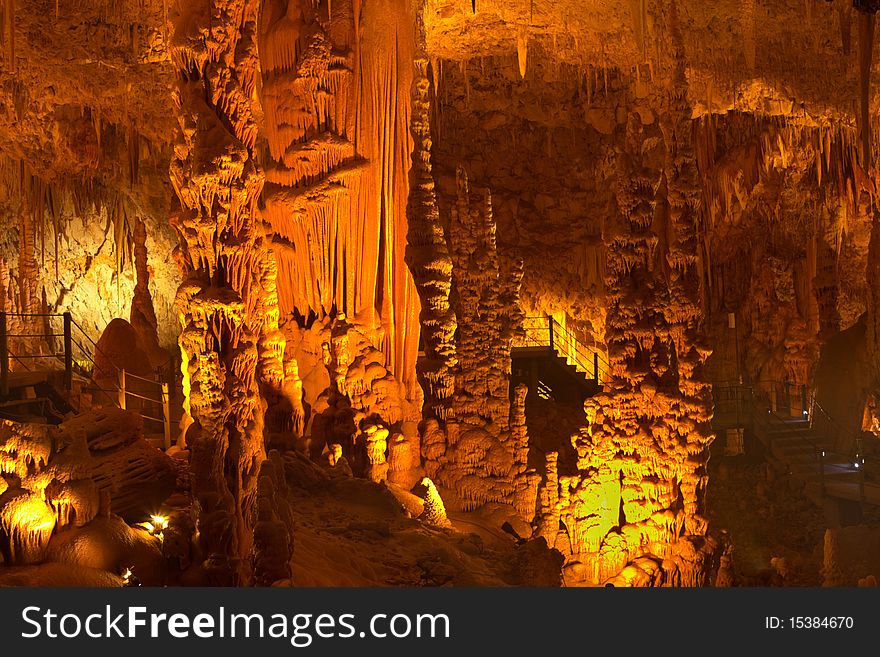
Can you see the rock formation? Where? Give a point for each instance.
(333, 228)
(53, 478)
(225, 257)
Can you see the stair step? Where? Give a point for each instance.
(787, 443)
(784, 443)
(792, 432)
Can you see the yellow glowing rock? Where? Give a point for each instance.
(434, 512)
(26, 524)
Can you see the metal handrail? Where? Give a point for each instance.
(545, 323)
(857, 454)
(21, 362)
(84, 351)
(577, 354)
(764, 419)
(164, 393)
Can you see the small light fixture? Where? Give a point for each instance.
(128, 578)
(156, 525)
(160, 522)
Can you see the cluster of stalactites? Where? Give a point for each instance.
(336, 128)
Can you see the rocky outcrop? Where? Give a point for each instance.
(54, 478)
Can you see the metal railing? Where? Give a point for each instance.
(856, 454)
(758, 407)
(77, 358)
(547, 332)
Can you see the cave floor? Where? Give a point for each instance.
(766, 520)
(351, 532)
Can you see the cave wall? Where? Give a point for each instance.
(86, 159)
(542, 144)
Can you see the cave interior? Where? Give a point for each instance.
(439, 292)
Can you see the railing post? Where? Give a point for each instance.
(596, 365)
(4, 357)
(550, 326)
(166, 414)
(803, 399)
(68, 353)
(121, 391)
(862, 486)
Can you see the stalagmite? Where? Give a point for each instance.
(435, 511)
(143, 314)
(481, 388)
(428, 257)
(219, 303)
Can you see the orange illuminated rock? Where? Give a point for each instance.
(120, 347)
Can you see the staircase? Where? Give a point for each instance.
(810, 458)
(807, 455)
(44, 381)
(554, 364)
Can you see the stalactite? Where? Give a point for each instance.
(747, 21)
(134, 153)
(9, 36)
(866, 50)
(27, 263)
(872, 274)
(844, 16)
(522, 49)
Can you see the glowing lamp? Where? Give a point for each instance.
(129, 578)
(160, 522)
(156, 525)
